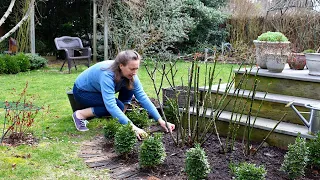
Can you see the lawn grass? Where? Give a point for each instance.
(55, 157)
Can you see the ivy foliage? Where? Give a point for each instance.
(152, 151)
(197, 165)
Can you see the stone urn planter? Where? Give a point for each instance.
(313, 63)
(297, 61)
(274, 43)
(276, 62)
(264, 47)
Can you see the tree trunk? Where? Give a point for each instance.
(105, 15)
(94, 31)
(32, 32)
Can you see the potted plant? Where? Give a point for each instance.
(297, 61)
(313, 62)
(273, 47)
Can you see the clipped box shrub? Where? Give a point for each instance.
(248, 171)
(12, 66)
(140, 118)
(110, 128)
(197, 165)
(152, 151)
(36, 61)
(23, 61)
(296, 159)
(124, 140)
(272, 37)
(314, 151)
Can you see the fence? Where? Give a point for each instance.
(303, 31)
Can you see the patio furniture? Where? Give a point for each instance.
(70, 45)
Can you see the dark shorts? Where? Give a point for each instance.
(95, 100)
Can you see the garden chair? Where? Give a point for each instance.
(70, 45)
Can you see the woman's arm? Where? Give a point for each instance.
(144, 100)
(108, 91)
(149, 106)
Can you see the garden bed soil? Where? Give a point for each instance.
(173, 166)
(15, 139)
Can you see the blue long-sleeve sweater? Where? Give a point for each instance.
(98, 78)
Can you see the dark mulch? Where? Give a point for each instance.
(16, 139)
(173, 166)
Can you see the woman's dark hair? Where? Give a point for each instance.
(123, 58)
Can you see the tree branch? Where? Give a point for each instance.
(9, 10)
(17, 26)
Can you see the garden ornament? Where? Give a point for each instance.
(314, 121)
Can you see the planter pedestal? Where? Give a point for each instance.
(275, 63)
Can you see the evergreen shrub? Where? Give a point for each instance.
(3, 65)
(296, 159)
(140, 118)
(37, 61)
(314, 151)
(12, 66)
(124, 139)
(248, 171)
(197, 165)
(273, 37)
(23, 61)
(152, 151)
(110, 128)
(209, 28)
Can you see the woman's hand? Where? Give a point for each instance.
(140, 133)
(170, 127)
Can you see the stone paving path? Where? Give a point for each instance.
(99, 155)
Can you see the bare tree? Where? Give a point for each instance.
(7, 13)
(25, 17)
(103, 10)
(283, 6)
